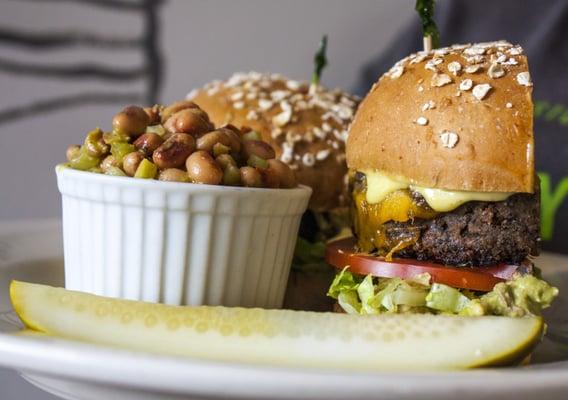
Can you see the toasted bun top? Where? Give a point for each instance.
(307, 128)
(457, 118)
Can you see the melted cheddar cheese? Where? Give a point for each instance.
(369, 218)
(380, 185)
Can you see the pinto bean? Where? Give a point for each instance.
(148, 142)
(131, 161)
(132, 120)
(224, 136)
(286, 176)
(192, 121)
(202, 168)
(258, 148)
(251, 177)
(174, 151)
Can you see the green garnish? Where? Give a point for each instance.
(425, 9)
(320, 61)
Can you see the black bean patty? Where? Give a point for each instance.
(477, 233)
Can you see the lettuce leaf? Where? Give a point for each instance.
(366, 292)
(345, 281)
(349, 301)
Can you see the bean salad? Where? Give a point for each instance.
(178, 143)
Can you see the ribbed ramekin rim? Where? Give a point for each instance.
(62, 170)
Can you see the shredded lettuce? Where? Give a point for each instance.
(349, 301)
(345, 281)
(523, 295)
(446, 299)
(366, 292)
(344, 288)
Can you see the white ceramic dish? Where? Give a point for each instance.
(178, 243)
(32, 251)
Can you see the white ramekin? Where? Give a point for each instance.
(178, 243)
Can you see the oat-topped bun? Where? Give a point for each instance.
(307, 128)
(457, 118)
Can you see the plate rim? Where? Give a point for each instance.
(104, 365)
(58, 358)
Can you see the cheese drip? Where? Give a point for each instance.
(380, 185)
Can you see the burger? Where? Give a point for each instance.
(444, 195)
(307, 126)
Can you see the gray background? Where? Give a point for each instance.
(201, 40)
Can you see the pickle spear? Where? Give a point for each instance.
(279, 337)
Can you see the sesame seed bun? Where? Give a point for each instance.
(457, 118)
(307, 128)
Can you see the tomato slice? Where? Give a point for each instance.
(341, 253)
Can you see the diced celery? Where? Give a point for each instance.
(114, 171)
(251, 135)
(84, 161)
(146, 170)
(116, 136)
(231, 176)
(220, 148)
(120, 149)
(157, 129)
(257, 162)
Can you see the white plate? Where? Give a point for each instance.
(32, 251)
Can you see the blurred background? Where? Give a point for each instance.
(67, 66)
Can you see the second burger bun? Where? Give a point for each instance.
(307, 128)
(457, 118)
